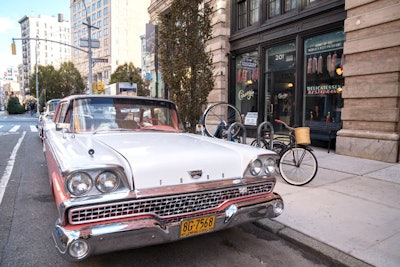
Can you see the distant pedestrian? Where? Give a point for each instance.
(32, 108)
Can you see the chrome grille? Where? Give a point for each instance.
(165, 206)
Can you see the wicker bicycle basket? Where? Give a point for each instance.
(302, 135)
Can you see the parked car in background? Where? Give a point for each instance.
(46, 116)
(124, 174)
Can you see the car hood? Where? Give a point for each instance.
(164, 159)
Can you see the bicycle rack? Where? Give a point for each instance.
(271, 135)
(239, 125)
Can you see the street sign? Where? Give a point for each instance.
(103, 60)
(85, 43)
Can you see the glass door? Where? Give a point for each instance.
(281, 97)
(280, 84)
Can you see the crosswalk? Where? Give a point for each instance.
(17, 128)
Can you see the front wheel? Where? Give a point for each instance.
(217, 119)
(298, 166)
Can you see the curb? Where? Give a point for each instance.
(322, 250)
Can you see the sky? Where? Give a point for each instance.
(12, 11)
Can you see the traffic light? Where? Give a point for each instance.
(13, 49)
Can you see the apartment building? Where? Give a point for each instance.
(116, 27)
(53, 32)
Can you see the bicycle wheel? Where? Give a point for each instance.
(298, 166)
(263, 144)
(217, 119)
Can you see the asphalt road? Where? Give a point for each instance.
(27, 214)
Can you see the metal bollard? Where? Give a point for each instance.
(271, 135)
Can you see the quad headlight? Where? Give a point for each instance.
(93, 182)
(261, 167)
(270, 166)
(79, 183)
(107, 182)
(256, 167)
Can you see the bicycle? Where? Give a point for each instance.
(297, 163)
(217, 119)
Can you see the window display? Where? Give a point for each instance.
(247, 85)
(323, 66)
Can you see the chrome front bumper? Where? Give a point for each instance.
(76, 243)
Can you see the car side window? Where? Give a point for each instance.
(62, 113)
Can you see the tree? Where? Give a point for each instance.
(47, 78)
(71, 81)
(128, 73)
(185, 64)
(14, 106)
(57, 83)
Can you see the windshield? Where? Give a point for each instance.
(107, 114)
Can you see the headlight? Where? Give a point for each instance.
(79, 183)
(107, 182)
(270, 165)
(256, 167)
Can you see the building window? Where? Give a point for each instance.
(246, 86)
(254, 11)
(323, 64)
(311, 2)
(274, 8)
(248, 13)
(242, 14)
(290, 5)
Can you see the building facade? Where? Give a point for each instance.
(371, 111)
(116, 28)
(286, 61)
(329, 63)
(53, 28)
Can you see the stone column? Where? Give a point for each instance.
(371, 127)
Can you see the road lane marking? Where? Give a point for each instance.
(33, 128)
(9, 167)
(15, 128)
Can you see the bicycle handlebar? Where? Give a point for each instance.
(284, 124)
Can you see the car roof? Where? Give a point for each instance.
(73, 97)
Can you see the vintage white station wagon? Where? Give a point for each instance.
(124, 174)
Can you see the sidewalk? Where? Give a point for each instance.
(349, 213)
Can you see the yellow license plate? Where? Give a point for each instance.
(197, 226)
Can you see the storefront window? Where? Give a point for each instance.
(246, 92)
(323, 66)
(280, 83)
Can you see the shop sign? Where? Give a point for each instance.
(243, 95)
(281, 61)
(249, 63)
(325, 47)
(251, 118)
(323, 89)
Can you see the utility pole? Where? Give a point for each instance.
(90, 55)
(37, 81)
